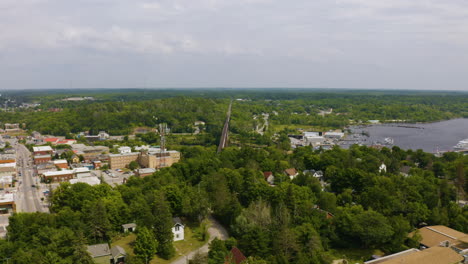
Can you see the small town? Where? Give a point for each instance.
(233, 132)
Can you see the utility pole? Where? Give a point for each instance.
(162, 133)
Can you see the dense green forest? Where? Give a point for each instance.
(283, 224)
(119, 111)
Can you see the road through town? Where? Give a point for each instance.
(27, 195)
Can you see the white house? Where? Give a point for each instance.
(383, 168)
(125, 149)
(178, 229)
(269, 177)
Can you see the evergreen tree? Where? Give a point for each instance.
(163, 226)
(145, 245)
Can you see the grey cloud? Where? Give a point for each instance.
(402, 44)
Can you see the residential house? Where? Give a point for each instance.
(178, 229)
(102, 135)
(102, 254)
(316, 174)
(405, 170)
(235, 256)
(75, 158)
(118, 255)
(269, 177)
(129, 227)
(383, 168)
(291, 173)
(97, 164)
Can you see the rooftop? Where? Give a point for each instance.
(42, 148)
(124, 154)
(57, 173)
(89, 180)
(146, 170)
(434, 255)
(434, 235)
(42, 156)
(61, 161)
(7, 198)
(99, 250)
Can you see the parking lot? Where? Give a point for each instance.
(113, 177)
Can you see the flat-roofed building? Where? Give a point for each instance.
(120, 161)
(58, 176)
(43, 150)
(7, 203)
(39, 159)
(145, 172)
(89, 152)
(439, 235)
(8, 169)
(89, 180)
(434, 255)
(6, 182)
(62, 164)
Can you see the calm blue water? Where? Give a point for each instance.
(430, 137)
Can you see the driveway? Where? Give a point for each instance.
(216, 230)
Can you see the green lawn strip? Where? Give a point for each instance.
(354, 255)
(182, 247)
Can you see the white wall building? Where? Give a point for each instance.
(178, 229)
(124, 149)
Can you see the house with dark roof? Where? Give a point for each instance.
(102, 254)
(178, 229)
(268, 175)
(235, 256)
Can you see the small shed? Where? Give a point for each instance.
(129, 227)
(118, 255)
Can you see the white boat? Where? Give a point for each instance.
(388, 141)
(463, 144)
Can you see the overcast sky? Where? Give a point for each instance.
(396, 44)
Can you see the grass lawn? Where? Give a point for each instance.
(354, 255)
(182, 247)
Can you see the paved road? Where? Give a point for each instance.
(215, 230)
(224, 135)
(27, 196)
